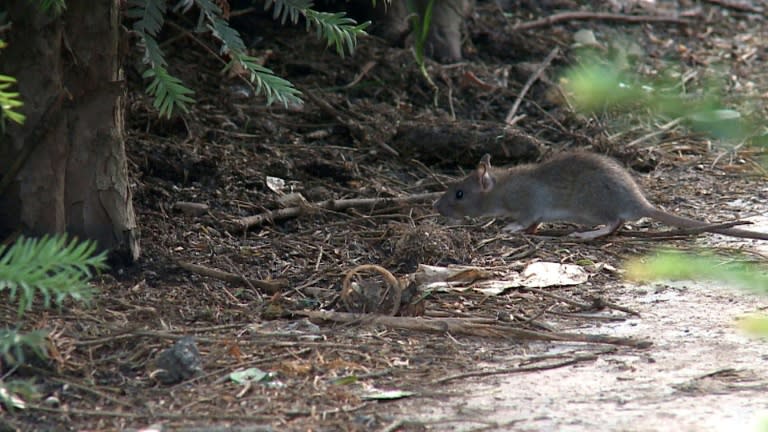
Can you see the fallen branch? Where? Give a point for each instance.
(600, 16)
(740, 6)
(291, 212)
(571, 361)
(135, 414)
(597, 303)
(270, 287)
(462, 326)
(544, 293)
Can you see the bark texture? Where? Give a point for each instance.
(65, 169)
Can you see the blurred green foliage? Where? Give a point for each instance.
(679, 266)
(673, 265)
(48, 270)
(597, 85)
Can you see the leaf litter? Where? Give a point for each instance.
(258, 281)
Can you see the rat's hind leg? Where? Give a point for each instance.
(600, 232)
(532, 228)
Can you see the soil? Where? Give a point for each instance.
(373, 128)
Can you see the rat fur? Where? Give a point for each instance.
(580, 187)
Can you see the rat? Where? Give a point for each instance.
(575, 186)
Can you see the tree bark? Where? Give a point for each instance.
(66, 169)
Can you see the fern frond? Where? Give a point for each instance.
(153, 55)
(183, 6)
(272, 86)
(209, 10)
(14, 345)
(9, 102)
(50, 267)
(267, 83)
(288, 9)
(168, 91)
(149, 15)
(337, 29)
(14, 392)
(229, 37)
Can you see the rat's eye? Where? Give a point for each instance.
(459, 194)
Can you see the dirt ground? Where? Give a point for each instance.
(373, 128)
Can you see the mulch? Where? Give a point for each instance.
(253, 217)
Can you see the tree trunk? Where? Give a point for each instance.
(66, 169)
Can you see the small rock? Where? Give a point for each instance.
(177, 363)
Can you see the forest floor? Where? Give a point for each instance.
(591, 353)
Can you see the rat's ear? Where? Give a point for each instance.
(484, 177)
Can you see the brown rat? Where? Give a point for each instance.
(579, 187)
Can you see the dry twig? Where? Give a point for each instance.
(256, 220)
(271, 287)
(461, 326)
(602, 16)
(509, 120)
(505, 371)
(583, 306)
(156, 415)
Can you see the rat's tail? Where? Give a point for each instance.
(684, 222)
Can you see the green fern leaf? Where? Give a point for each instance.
(337, 29)
(13, 344)
(49, 267)
(168, 91)
(267, 83)
(288, 10)
(272, 86)
(208, 7)
(149, 15)
(153, 55)
(229, 37)
(9, 102)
